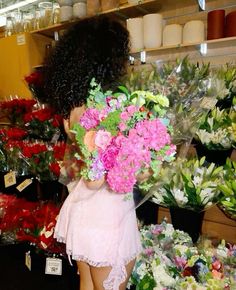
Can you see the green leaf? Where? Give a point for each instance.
(124, 90)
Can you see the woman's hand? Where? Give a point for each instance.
(96, 184)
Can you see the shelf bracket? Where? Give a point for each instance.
(202, 5)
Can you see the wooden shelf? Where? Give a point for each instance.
(223, 48)
(221, 42)
(123, 12)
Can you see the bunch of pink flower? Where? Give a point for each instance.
(120, 139)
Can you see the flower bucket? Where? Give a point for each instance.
(188, 221)
(216, 156)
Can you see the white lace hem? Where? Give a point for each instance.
(117, 274)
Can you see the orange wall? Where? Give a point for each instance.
(18, 55)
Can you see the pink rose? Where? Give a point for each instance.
(103, 139)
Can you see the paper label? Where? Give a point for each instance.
(53, 266)
(28, 260)
(208, 103)
(20, 39)
(24, 184)
(10, 179)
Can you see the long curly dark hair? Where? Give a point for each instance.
(95, 47)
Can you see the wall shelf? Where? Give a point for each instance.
(123, 12)
(206, 49)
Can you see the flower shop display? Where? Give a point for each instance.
(45, 123)
(227, 200)
(121, 135)
(189, 89)
(225, 76)
(216, 134)
(170, 261)
(14, 109)
(188, 186)
(32, 222)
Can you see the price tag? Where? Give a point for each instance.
(10, 179)
(24, 184)
(53, 266)
(208, 103)
(55, 137)
(28, 260)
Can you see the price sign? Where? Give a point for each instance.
(53, 266)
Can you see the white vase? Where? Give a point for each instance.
(79, 10)
(152, 30)
(172, 34)
(66, 13)
(193, 32)
(135, 28)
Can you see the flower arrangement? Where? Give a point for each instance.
(121, 135)
(225, 77)
(169, 261)
(189, 89)
(188, 184)
(43, 159)
(44, 124)
(216, 132)
(227, 200)
(32, 222)
(14, 109)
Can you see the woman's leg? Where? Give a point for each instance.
(86, 282)
(99, 275)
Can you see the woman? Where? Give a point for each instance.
(98, 226)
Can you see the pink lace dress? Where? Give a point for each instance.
(100, 228)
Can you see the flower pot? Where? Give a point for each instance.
(216, 156)
(188, 221)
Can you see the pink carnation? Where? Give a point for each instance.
(90, 118)
(108, 157)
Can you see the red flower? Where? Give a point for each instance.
(35, 78)
(59, 150)
(55, 168)
(57, 120)
(16, 133)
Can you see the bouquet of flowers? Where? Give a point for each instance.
(33, 222)
(15, 109)
(44, 124)
(216, 132)
(170, 261)
(189, 89)
(188, 184)
(43, 159)
(227, 200)
(225, 77)
(121, 135)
